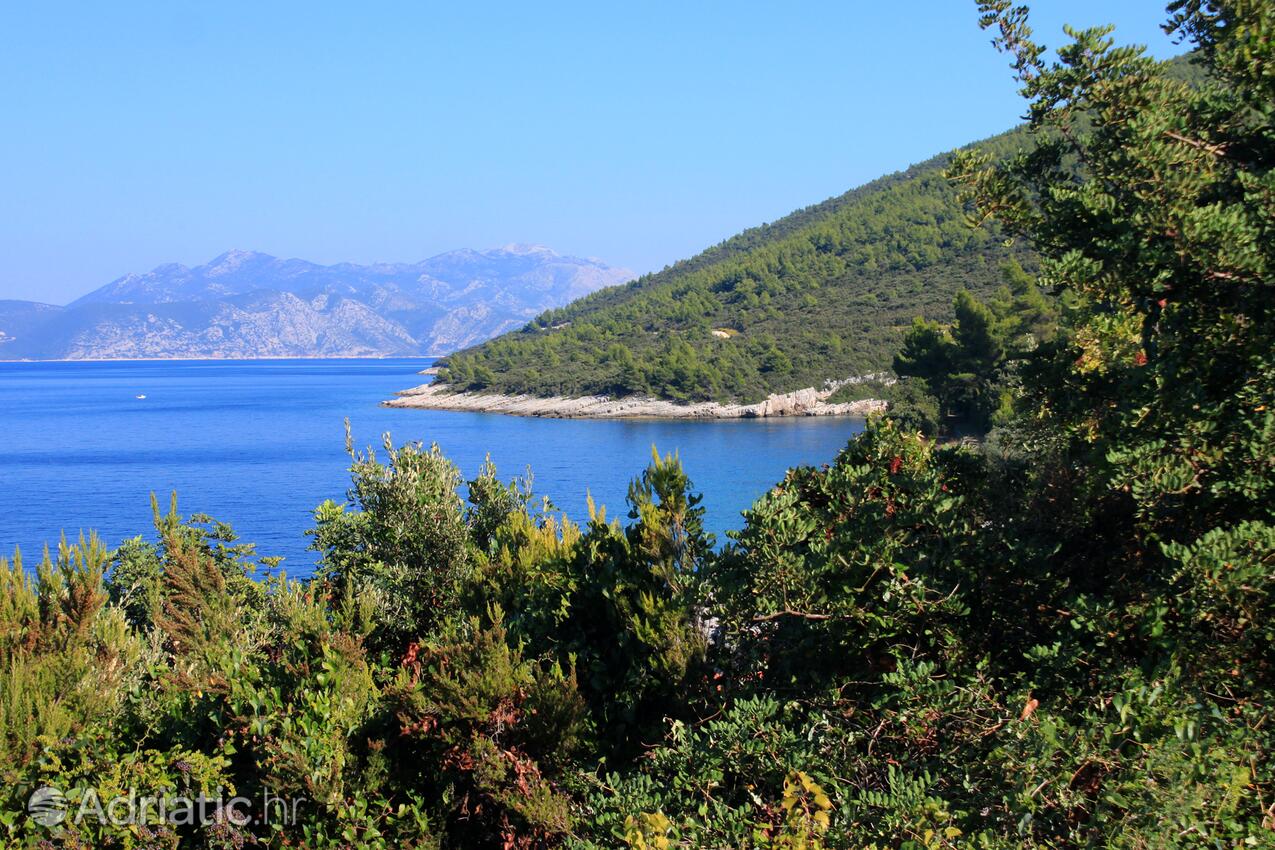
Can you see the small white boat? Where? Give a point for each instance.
(139, 396)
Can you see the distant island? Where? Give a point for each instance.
(245, 304)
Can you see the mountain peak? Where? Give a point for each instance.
(235, 259)
(527, 249)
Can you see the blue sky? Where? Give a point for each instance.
(133, 134)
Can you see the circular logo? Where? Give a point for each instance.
(47, 806)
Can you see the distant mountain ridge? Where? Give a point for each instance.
(248, 304)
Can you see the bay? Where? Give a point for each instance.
(259, 444)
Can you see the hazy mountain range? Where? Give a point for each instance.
(248, 304)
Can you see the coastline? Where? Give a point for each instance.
(807, 402)
(226, 359)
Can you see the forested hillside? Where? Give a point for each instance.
(825, 293)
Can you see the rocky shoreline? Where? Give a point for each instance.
(807, 402)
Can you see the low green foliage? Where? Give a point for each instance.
(967, 367)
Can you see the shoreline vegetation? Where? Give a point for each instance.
(805, 402)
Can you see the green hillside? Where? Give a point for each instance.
(824, 293)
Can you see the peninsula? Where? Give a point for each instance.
(805, 402)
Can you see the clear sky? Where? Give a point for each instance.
(138, 133)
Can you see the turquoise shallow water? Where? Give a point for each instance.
(259, 444)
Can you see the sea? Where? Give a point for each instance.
(259, 444)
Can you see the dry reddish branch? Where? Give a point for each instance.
(1216, 150)
(805, 615)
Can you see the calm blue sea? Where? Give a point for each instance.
(259, 444)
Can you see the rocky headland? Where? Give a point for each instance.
(807, 402)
